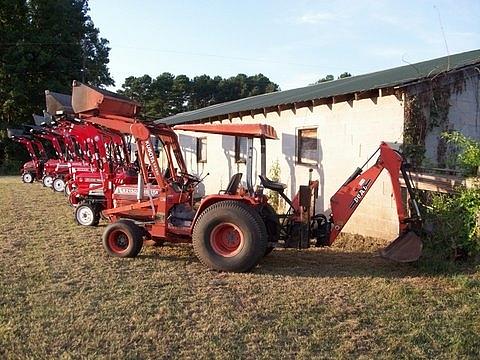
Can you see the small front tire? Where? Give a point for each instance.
(27, 178)
(69, 187)
(47, 181)
(123, 239)
(58, 185)
(87, 215)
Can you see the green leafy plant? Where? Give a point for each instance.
(469, 152)
(454, 219)
(273, 198)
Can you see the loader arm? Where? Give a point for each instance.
(142, 136)
(55, 143)
(347, 199)
(28, 144)
(41, 150)
(65, 132)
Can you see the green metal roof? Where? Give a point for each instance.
(356, 84)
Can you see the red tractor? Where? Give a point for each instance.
(104, 155)
(234, 229)
(55, 167)
(33, 169)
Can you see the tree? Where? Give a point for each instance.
(331, 77)
(181, 90)
(168, 94)
(344, 75)
(137, 88)
(325, 79)
(45, 44)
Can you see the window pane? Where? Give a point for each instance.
(240, 149)
(307, 146)
(201, 149)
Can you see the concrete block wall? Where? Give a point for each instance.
(463, 114)
(348, 133)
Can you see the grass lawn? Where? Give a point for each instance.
(61, 296)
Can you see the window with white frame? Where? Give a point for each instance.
(202, 150)
(307, 146)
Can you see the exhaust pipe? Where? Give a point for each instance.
(139, 187)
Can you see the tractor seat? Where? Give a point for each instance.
(232, 186)
(272, 185)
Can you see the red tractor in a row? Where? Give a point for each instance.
(234, 229)
(32, 170)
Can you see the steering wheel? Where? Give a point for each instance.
(190, 177)
(190, 180)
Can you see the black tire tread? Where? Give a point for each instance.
(270, 214)
(250, 216)
(140, 232)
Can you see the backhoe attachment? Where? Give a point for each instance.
(405, 248)
(408, 246)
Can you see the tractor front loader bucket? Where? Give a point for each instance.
(405, 248)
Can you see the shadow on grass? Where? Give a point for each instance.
(175, 253)
(168, 257)
(324, 262)
(334, 263)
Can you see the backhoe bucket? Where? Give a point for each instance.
(406, 248)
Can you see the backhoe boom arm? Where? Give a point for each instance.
(347, 199)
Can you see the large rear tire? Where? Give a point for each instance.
(229, 236)
(272, 224)
(123, 239)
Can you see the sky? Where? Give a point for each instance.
(294, 43)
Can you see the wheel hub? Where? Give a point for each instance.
(122, 241)
(227, 239)
(85, 215)
(47, 181)
(59, 185)
(118, 241)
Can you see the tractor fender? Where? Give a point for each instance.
(213, 199)
(73, 198)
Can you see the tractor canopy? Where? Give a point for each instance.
(245, 130)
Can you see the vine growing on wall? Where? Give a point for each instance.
(426, 109)
(439, 109)
(415, 131)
